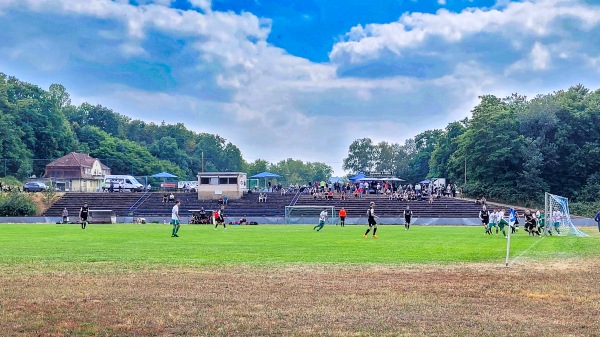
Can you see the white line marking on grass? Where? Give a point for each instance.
(525, 251)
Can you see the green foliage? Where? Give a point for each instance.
(16, 204)
(585, 209)
(297, 172)
(362, 156)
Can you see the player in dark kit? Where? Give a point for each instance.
(83, 215)
(371, 218)
(407, 217)
(484, 215)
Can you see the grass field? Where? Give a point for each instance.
(136, 280)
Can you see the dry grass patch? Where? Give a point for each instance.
(553, 298)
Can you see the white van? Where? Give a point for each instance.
(129, 183)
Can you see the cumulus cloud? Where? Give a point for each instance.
(436, 42)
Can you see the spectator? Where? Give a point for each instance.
(171, 197)
(165, 197)
(65, 215)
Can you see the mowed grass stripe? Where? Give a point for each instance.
(264, 244)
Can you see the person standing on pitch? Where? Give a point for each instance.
(597, 219)
(484, 215)
(219, 218)
(175, 219)
(343, 217)
(371, 219)
(65, 215)
(322, 218)
(83, 215)
(556, 219)
(407, 217)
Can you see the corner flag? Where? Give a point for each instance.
(512, 218)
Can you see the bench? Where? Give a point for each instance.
(102, 216)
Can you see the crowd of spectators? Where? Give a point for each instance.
(326, 191)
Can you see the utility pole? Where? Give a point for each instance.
(465, 170)
(202, 161)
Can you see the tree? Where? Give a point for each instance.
(362, 156)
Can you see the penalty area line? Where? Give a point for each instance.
(525, 251)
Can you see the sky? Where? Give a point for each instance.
(301, 79)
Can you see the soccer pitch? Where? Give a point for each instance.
(268, 244)
(277, 280)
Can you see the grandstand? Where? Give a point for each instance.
(151, 205)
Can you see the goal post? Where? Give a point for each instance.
(558, 216)
(309, 214)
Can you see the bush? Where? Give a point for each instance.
(585, 209)
(16, 204)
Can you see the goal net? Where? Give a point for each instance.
(309, 214)
(558, 216)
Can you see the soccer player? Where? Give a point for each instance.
(484, 215)
(343, 217)
(322, 218)
(501, 222)
(175, 219)
(541, 220)
(493, 222)
(556, 219)
(219, 220)
(408, 213)
(371, 218)
(83, 215)
(531, 223)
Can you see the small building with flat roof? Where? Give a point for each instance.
(216, 185)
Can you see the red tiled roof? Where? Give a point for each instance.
(74, 159)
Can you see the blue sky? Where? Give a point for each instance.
(301, 79)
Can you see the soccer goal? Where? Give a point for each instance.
(309, 214)
(557, 215)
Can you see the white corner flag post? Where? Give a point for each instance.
(512, 218)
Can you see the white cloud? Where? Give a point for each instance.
(442, 2)
(204, 5)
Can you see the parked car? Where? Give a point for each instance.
(35, 187)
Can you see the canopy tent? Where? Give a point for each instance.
(426, 181)
(265, 176)
(164, 176)
(381, 179)
(357, 177)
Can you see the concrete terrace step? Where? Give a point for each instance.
(152, 205)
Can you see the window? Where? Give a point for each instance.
(233, 181)
(204, 181)
(223, 181)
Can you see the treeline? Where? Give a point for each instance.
(38, 126)
(511, 149)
